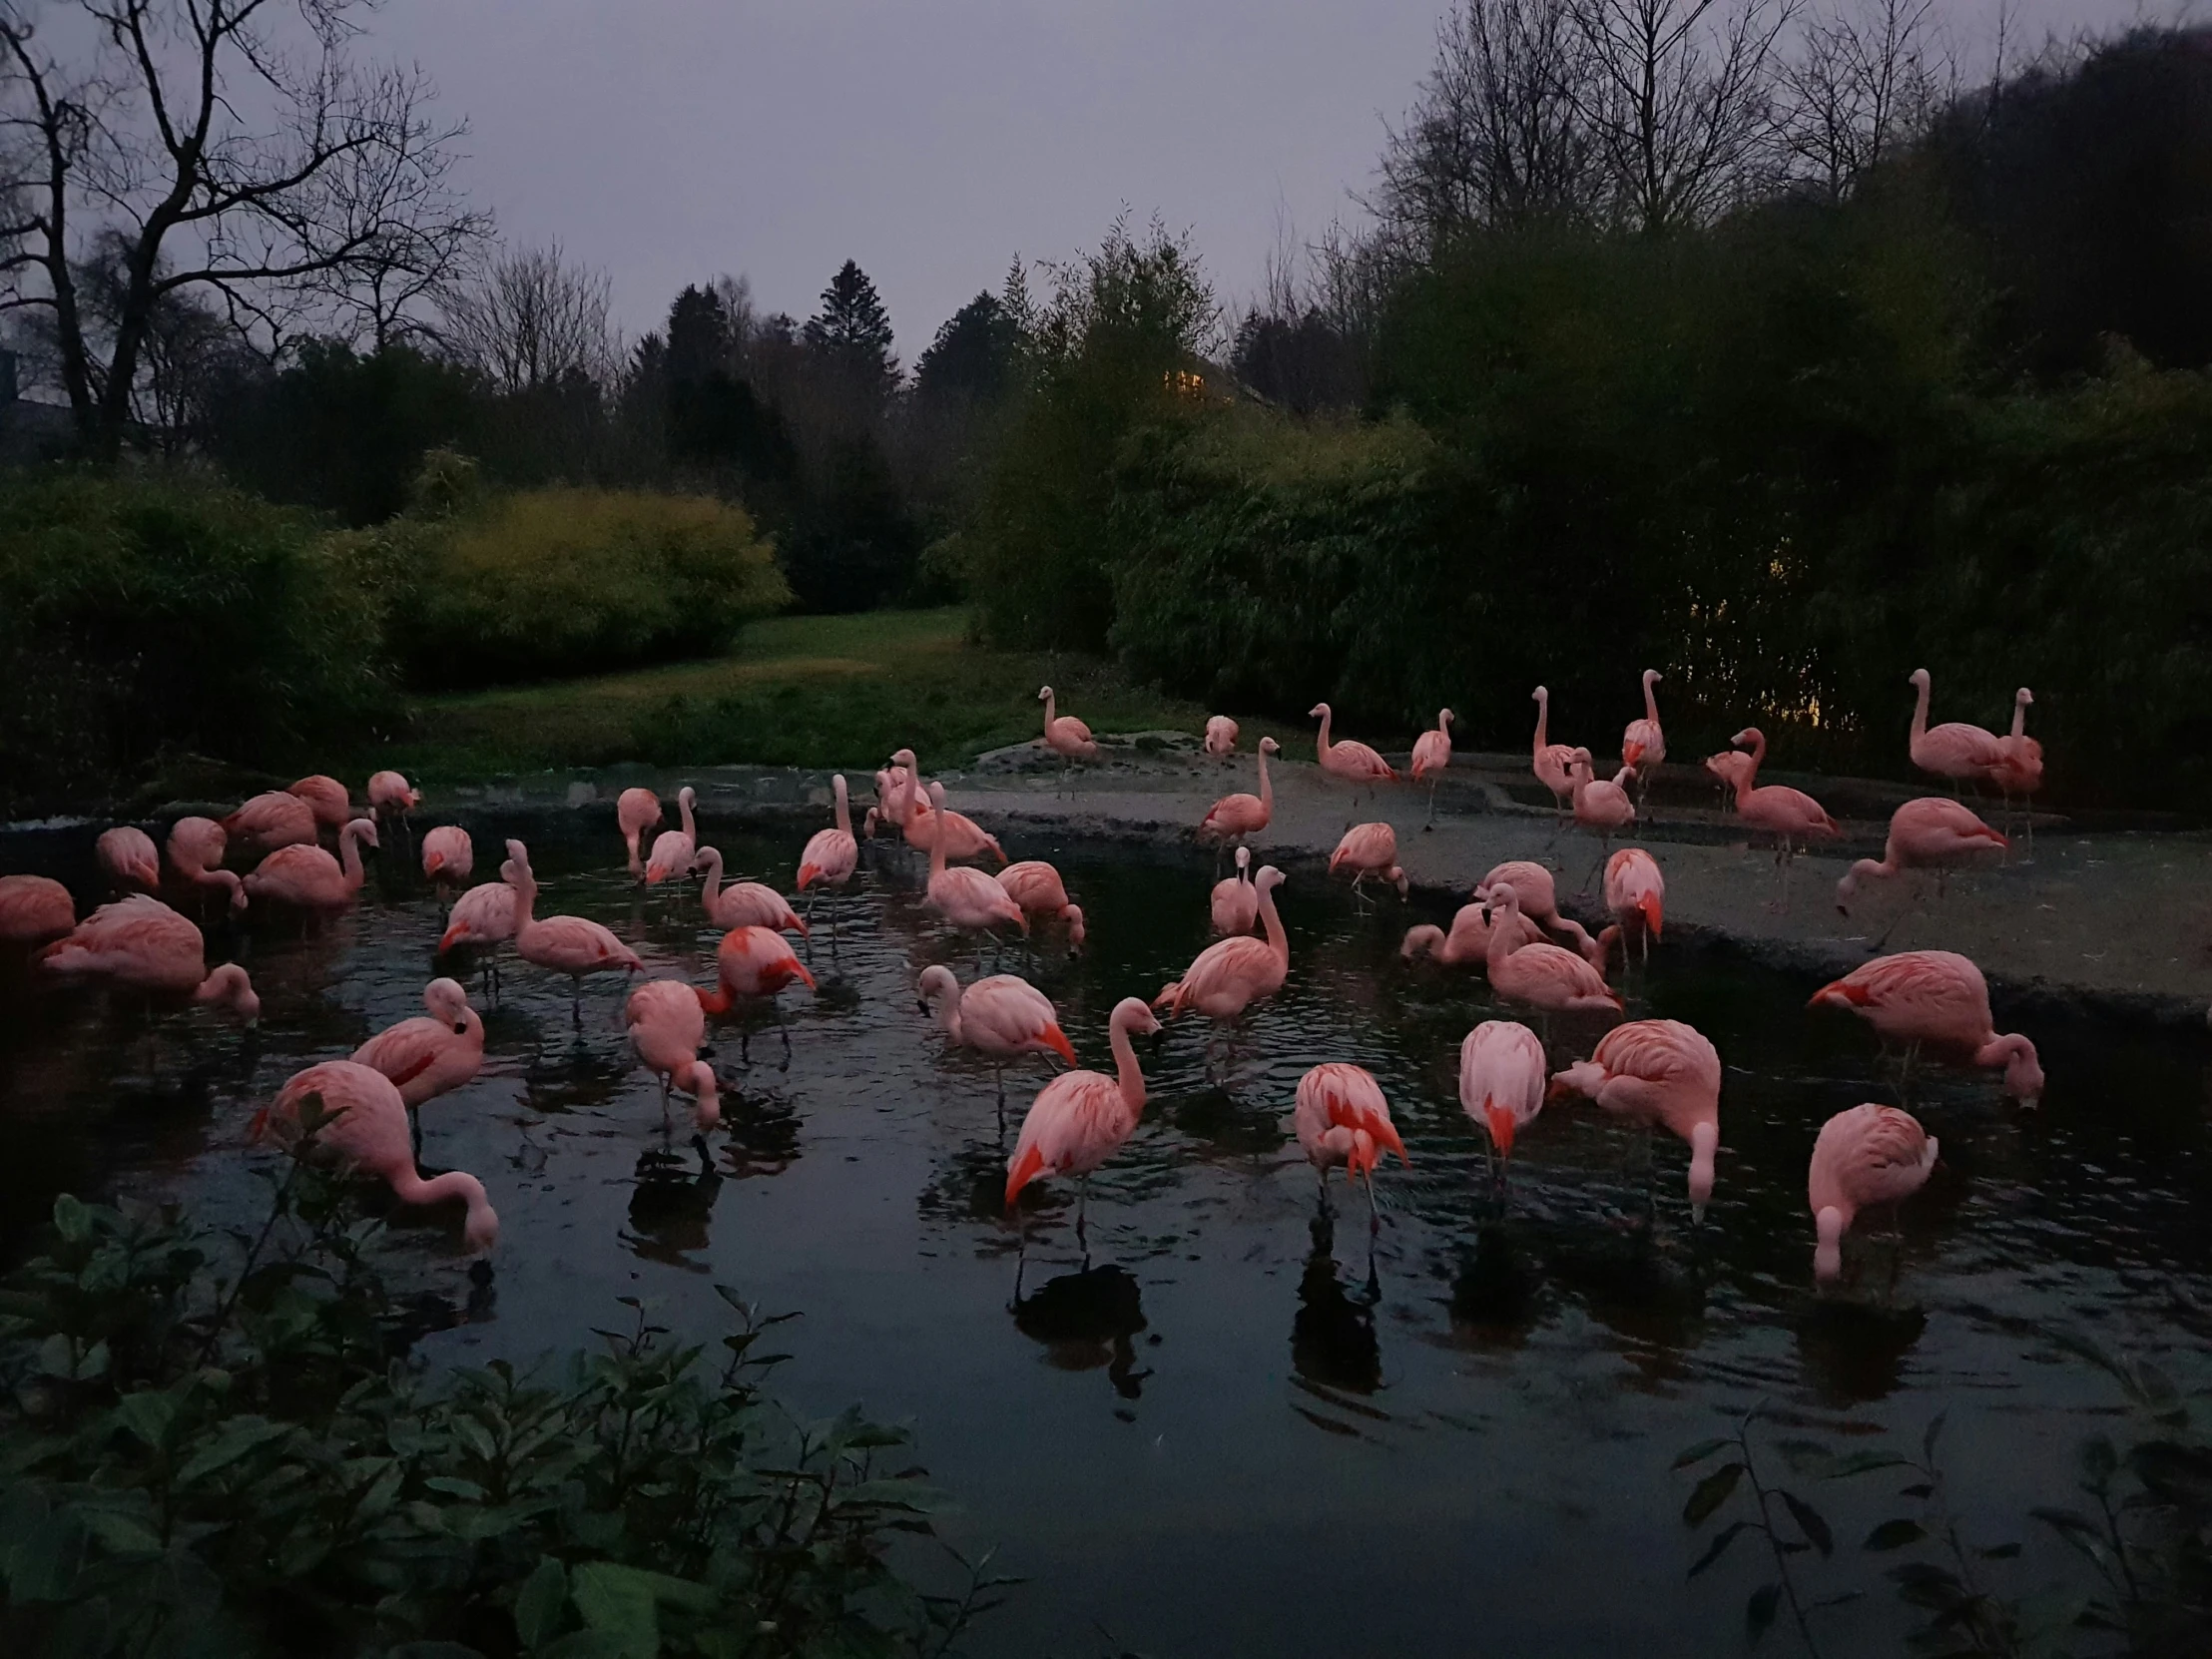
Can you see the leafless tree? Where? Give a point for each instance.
(236, 148)
(1861, 82)
(1677, 98)
(529, 317)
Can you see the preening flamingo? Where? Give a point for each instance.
(1065, 736)
(142, 944)
(1934, 832)
(1790, 815)
(832, 854)
(1532, 883)
(1234, 817)
(1229, 975)
(327, 799)
(1540, 974)
(1731, 767)
(484, 915)
(448, 856)
(560, 944)
(1343, 1121)
(128, 859)
(1551, 758)
(1658, 1074)
(1604, 809)
(751, 965)
(364, 1125)
(637, 809)
(34, 909)
(1369, 849)
(1644, 742)
(269, 820)
(743, 903)
(431, 1054)
(1000, 1017)
(1082, 1118)
(1036, 886)
(1220, 736)
(1501, 1082)
(1432, 755)
(967, 898)
(307, 877)
(1866, 1156)
(1236, 902)
(667, 1028)
(1940, 1000)
(1636, 894)
(1953, 749)
(1354, 762)
(1469, 940)
(673, 849)
(196, 847)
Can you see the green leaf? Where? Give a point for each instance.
(618, 1601)
(1895, 1534)
(1721, 1540)
(586, 1644)
(148, 1415)
(72, 1217)
(538, 1603)
(125, 1535)
(1806, 1457)
(240, 1436)
(1998, 1552)
(1865, 1463)
(1759, 1612)
(1812, 1522)
(1710, 1492)
(1699, 1452)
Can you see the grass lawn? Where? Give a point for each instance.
(841, 691)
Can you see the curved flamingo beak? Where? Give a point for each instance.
(1653, 914)
(1057, 1039)
(1501, 1126)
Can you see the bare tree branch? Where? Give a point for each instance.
(529, 318)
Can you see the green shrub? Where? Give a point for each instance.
(142, 613)
(549, 583)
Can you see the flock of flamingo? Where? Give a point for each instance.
(1649, 1074)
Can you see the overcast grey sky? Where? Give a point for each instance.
(669, 141)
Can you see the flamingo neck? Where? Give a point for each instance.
(525, 886)
(712, 857)
(349, 847)
(1127, 1073)
(2019, 715)
(845, 812)
(410, 1188)
(1544, 718)
(1277, 940)
(1502, 931)
(945, 1006)
(1050, 706)
(683, 806)
(1322, 743)
(1267, 790)
(1919, 712)
(1651, 702)
(936, 840)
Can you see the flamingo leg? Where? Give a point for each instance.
(784, 1031)
(576, 1000)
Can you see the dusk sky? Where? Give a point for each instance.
(668, 141)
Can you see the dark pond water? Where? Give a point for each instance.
(1241, 1428)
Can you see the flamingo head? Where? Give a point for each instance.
(1705, 1140)
(1319, 711)
(2023, 697)
(1827, 1254)
(481, 1231)
(937, 990)
(448, 1004)
(1044, 693)
(2023, 1073)
(1268, 879)
(1268, 746)
(905, 758)
(1917, 679)
(1445, 717)
(1074, 916)
(1542, 694)
(1744, 739)
(1651, 678)
(1244, 858)
(1501, 1126)
(1653, 912)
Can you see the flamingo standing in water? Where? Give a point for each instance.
(307, 877)
(1432, 755)
(1934, 832)
(269, 820)
(1343, 1119)
(1866, 1156)
(1000, 1017)
(1469, 938)
(431, 1054)
(830, 856)
(1369, 849)
(1236, 902)
(1229, 975)
(743, 903)
(1065, 736)
(963, 838)
(483, 915)
(196, 847)
(141, 943)
(1937, 998)
(1539, 904)
(1502, 1083)
(364, 1123)
(667, 1027)
(1961, 753)
(673, 849)
(34, 909)
(560, 944)
(751, 965)
(1236, 816)
(391, 796)
(967, 898)
(1644, 742)
(1220, 736)
(1658, 1074)
(128, 857)
(1036, 886)
(448, 857)
(1354, 762)
(1082, 1118)
(327, 799)
(637, 809)
(1790, 815)
(1542, 975)
(1604, 809)
(1636, 894)
(1550, 760)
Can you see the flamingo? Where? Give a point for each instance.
(832, 854)
(483, 915)
(963, 837)
(128, 857)
(1953, 749)
(560, 944)
(1658, 1073)
(1866, 1156)
(967, 898)
(1342, 1118)
(1036, 886)
(269, 820)
(1369, 849)
(1081, 1118)
(34, 909)
(306, 876)
(1539, 904)
(667, 1026)
(431, 1054)
(1636, 894)
(1236, 903)
(743, 903)
(1432, 755)
(1937, 998)
(1542, 975)
(1065, 736)
(391, 795)
(327, 799)
(1356, 763)
(1643, 741)
(637, 809)
(364, 1123)
(895, 794)
(2020, 768)
(752, 964)
(448, 856)
(1602, 808)
(142, 944)
(1934, 832)
(1731, 767)
(1469, 940)
(1229, 975)
(1790, 815)
(1502, 1083)
(1551, 758)
(196, 847)
(1000, 1017)
(673, 849)
(1234, 817)
(1220, 736)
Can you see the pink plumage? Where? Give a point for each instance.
(1934, 832)
(1866, 1156)
(1469, 938)
(1064, 735)
(1550, 760)
(560, 944)
(1501, 1080)
(751, 964)
(1220, 736)
(1658, 1074)
(1343, 1121)
(1356, 763)
(637, 809)
(141, 943)
(196, 848)
(1644, 742)
(1940, 998)
(128, 857)
(327, 799)
(1541, 975)
(1234, 816)
(1955, 750)
(1036, 886)
(34, 909)
(271, 820)
(1432, 749)
(673, 849)
(830, 855)
(1636, 894)
(1369, 849)
(1235, 905)
(744, 904)
(1000, 1017)
(667, 1027)
(1230, 975)
(1082, 1118)
(432, 1053)
(967, 898)
(308, 878)
(482, 916)
(389, 793)
(448, 856)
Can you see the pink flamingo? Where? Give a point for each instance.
(1000, 1017)
(832, 854)
(1354, 762)
(1220, 736)
(360, 1118)
(1502, 1083)
(1644, 742)
(271, 820)
(431, 1054)
(483, 915)
(751, 965)
(967, 898)
(1658, 1073)
(667, 1028)
(1790, 815)
(1036, 886)
(2020, 768)
(1953, 749)
(448, 856)
(1602, 808)
(308, 878)
(1236, 902)
(1731, 767)
(963, 837)
(1342, 1119)
(1542, 975)
(196, 847)
(1369, 849)
(560, 944)
(34, 909)
(743, 903)
(391, 796)
(1937, 998)
(1065, 736)
(1082, 1118)
(1866, 1156)
(637, 809)
(1551, 758)
(1469, 938)
(1229, 975)
(141, 943)
(128, 856)
(1234, 817)
(1539, 904)
(673, 849)
(895, 794)
(1636, 894)
(1432, 755)
(327, 799)
(1934, 832)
